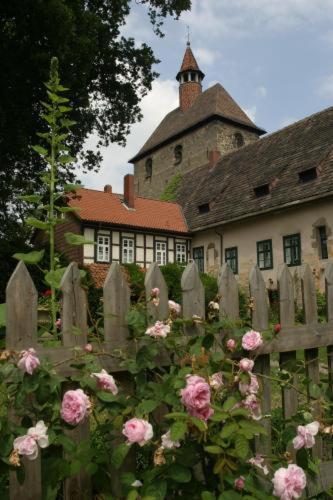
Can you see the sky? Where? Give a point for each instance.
(275, 58)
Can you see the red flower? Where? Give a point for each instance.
(47, 293)
(277, 328)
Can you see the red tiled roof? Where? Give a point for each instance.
(98, 273)
(98, 206)
(189, 61)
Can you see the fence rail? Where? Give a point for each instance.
(21, 333)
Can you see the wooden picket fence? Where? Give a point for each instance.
(21, 333)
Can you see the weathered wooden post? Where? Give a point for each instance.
(117, 296)
(155, 279)
(193, 298)
(228, 293)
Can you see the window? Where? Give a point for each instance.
(149, 168)
(238, 140)
(231, 257)
(262, 190)
(103, 248)
(308, 175)
(204, 208)
(265, 254)
(198, 257)
(181, 253)
(292, 249)
(178, 154)
(127, 250)
(323, 242)
(160, 253)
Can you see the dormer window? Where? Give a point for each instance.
(204, 208)
(178, 154)
(149, 168)
(308, 175)
(262, 190)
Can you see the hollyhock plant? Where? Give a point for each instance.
(174, 307)
(28, 361)
(305, 435)
(105, 382)
(167, 442)
(137, 430)
(246, 365)
(251, 340)
(251, 388)
(289, 482)
(196, 397)
(75, 406)
(159, 330)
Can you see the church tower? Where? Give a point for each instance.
(189, 78)
(205, 126)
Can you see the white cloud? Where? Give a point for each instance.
(251, 112)
(217, 18)
(325, 88)
(160, 101)
(205, 56)
(261, 91)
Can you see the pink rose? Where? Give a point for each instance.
(75, 406)
(138, 431)
(28, 361)
(155, 292)
(216, 381)
(167, 441)
(231, 345)
(196, 397)
(88, 348)
(58, 323)
(252, 404)
(246, 365)
(289, 483)
(251, 340)
(159, 330)
(258, 461)
(305, 435)
(239, 483)
(105, 382)
(26, 445)
(155, 301)
(39, 434)
(174, 307)
(251, 388)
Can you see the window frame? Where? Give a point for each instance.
(183, 252)
(298, 237)
(127, 238)
(149, 168)
(323, 242)
(103, 245)
(165, 251)
(269, 241)
(226, 259)
(200, 261)
(178, 151)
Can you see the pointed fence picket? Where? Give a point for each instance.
(21, 333)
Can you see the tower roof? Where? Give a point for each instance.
(189, 62)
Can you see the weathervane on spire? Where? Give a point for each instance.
(188, 35)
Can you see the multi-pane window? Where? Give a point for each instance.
(323, 242)
(198, 257)
(292, 249)
(181, 253)
(231, 257)
(103, 248)
(160, 253)
(265, 254)
(127, 250)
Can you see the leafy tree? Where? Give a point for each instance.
(108, 75)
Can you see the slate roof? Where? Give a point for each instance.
(213, 103)
(98, 206)
(275, 159)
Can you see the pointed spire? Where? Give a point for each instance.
(189, 77)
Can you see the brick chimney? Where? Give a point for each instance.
(213, 157)
(189, 78)
(129, 190)
(108, 188)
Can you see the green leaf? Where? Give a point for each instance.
(218, 416)
(229, 403)
(132, 495)
(253, 427)
(179, 473)
(229, 429)
(147, 406)
(39, 224)
(72, 187)
(105, 396)
(77, 239)
(176, 414)
(242, 446)
(31, 257)
(64, 159)
(2, 315)
(199, 424)
(31, 198)
(40, 150)
(178, 430)
(55, 277)
(119, 455)
(230, 495)
(206, 495)
(215, 450)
